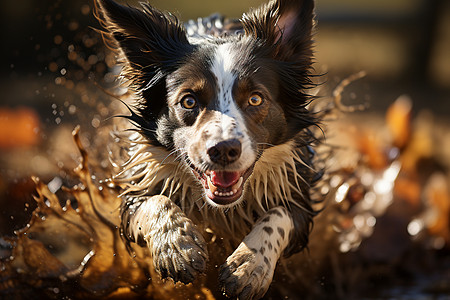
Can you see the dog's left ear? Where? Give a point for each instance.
(286, 24)
(153, 42)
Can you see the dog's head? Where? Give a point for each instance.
(218, 102)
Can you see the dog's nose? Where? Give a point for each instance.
(225, 152)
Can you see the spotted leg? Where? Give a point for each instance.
(248, 272)
(178, 249)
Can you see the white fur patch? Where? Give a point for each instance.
(248, 272)
(230, 119)
(266, 232)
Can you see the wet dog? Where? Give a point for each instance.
(223, 137)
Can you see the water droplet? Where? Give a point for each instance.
(341, 192)
(85, 9)
(55, 184)
(57, 39)
(72, 109)
(95, 122)
(415, 226)
(438, 243)
(371, 221)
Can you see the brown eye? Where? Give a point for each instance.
(188, 102)
(255, 100)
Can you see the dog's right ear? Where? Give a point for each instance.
(288, 24)
(152, 42)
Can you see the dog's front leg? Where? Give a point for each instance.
(177, 247)
(248, 272)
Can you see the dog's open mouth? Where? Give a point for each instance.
(223, 187)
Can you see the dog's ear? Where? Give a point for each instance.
(150, 39)
(286, 24)
(153, 45)
(286, 27)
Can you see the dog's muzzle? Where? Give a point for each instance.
(221, 186)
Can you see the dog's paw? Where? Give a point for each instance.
(246, 274)
(179, 251)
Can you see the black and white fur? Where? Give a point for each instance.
(222, 140)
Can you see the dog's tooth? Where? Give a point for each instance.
(238, 184)
(234, 191)
(211, 186)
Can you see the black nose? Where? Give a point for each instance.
(225, 152)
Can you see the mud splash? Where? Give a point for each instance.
(75, 249)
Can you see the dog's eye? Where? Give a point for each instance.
(188, 102)
(255, 100)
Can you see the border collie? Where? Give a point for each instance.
(223, 138)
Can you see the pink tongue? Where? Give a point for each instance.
(224, 179)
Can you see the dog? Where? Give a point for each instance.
(223, 138)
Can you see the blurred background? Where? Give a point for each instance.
(403, 45)
(53, 64)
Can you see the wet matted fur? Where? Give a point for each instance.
(223, 138)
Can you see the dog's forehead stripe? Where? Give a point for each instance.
(222, 68)
(224, 59)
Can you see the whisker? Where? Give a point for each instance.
(167, 156)
(268, 144)
(204, 203)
